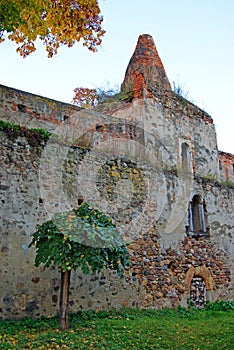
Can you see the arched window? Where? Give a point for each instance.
(198, 292)
(197, 217)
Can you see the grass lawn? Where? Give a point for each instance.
(126, 329)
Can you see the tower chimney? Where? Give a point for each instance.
(145, 69)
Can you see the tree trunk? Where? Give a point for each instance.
(64, 299)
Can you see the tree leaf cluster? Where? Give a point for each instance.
(54, 22)
(84, 238)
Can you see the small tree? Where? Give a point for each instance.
(84, 238)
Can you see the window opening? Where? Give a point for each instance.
(197, 217)
(22, 108)
(185, 156)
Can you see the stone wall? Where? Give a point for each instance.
(157, 276)
(32, 111)
(172, 120)
(163, 272)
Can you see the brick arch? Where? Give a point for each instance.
(202, 272)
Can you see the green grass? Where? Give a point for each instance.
(125, 329)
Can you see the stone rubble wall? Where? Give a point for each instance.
(157, 276)
(167, 117)
(163, 271)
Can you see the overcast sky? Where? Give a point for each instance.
(195, 40)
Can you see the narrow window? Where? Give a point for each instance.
(197, 217)
(198, 293)
(185, 156)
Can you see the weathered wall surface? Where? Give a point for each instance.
(157, 276)
(32, 111)
(172, 121)
(27, 290)
(163, 272)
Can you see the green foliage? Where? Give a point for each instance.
(124, 96)
(178, 329)
(221, 305)
(44, 133)
(84, 238)
(229, 183)
(8, 126)
(22, 131)
(10, 14)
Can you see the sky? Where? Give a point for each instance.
(195, 40)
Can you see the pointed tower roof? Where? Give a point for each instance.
(145, 69)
